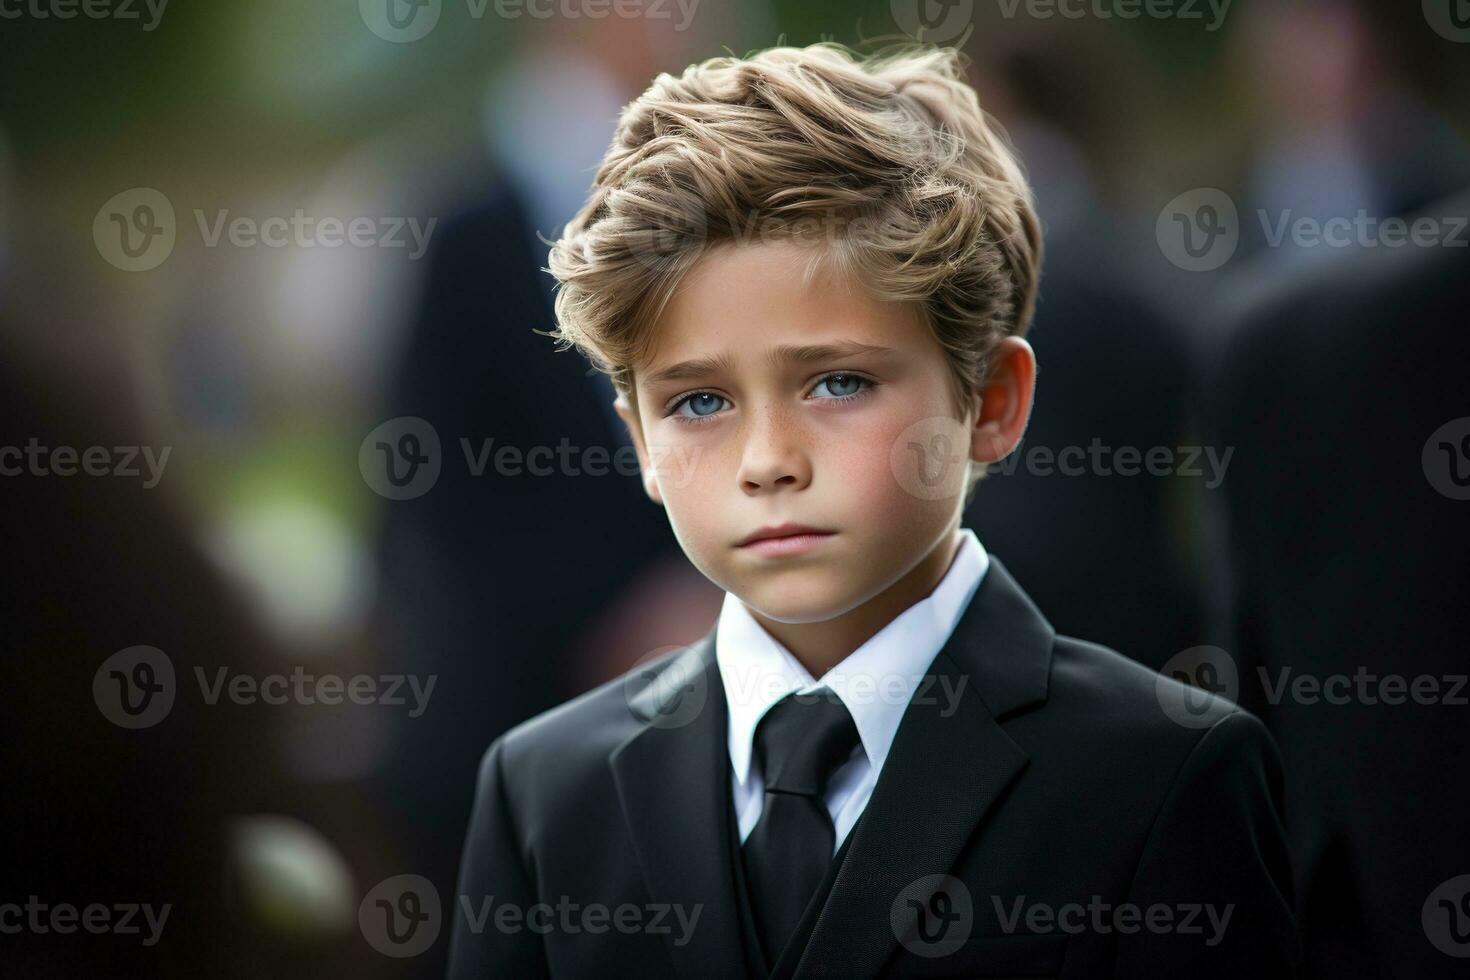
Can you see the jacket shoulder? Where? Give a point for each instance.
(564, 751)
(1118, 702)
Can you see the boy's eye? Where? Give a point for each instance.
(840, 385)
(699, 405)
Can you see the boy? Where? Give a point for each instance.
(808, 274)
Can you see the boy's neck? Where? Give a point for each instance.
(821, 646)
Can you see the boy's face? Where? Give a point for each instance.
(766, 430)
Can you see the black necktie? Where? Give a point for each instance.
(798, 744)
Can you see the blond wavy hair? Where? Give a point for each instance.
(888, 160)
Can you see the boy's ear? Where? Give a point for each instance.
(635, 432)
(1004, 404)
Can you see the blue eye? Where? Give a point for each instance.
(701, 405)
(842, 385)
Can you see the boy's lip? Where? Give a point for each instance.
(786, 530)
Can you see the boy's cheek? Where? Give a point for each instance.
(677, 466)
(928, 460)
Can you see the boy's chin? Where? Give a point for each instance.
(814, 606)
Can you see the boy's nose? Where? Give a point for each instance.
(772, 457)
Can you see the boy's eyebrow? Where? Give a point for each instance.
(823, 352)
(801, 353)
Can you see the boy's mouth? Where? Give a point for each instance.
(784, 539)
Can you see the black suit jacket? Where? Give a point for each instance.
(1051, 777)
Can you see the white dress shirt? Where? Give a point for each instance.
(875, 682)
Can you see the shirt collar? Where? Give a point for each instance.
(875, 682)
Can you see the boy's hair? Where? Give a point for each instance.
(887, 160)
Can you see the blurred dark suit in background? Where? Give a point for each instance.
(1345, 558)
(1104, 554)
(93, 813)
(492, 582)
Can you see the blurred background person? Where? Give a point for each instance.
(127, 796)
(1340, 385)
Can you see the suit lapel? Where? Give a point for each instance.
(672, 778)
(950, 762)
